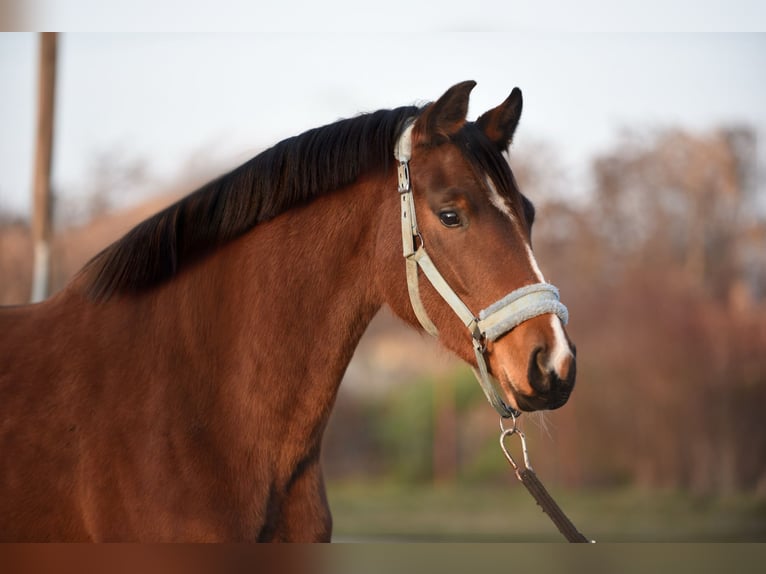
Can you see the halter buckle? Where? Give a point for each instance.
(403, 172)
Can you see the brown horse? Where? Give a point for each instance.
(178, 388)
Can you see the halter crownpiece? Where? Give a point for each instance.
(491, 323)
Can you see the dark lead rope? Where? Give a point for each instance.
(529, 479)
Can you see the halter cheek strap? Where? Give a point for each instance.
(491, 323)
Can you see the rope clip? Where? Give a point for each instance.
(507, 432)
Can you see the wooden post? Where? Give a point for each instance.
(41, 214)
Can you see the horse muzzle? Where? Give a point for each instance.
(542, 378)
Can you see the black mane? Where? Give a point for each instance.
(291, 173)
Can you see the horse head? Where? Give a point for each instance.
(466, 228)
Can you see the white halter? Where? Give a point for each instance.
(491, 323)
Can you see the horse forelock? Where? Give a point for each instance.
(284, 176)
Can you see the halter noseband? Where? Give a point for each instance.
(491, 323)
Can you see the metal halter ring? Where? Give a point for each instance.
(515, 430)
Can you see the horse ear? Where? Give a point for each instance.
(499, 124)
(445, 116)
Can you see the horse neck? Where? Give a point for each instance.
(272, 319)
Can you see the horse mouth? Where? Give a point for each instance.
(523, 402)
(530, 403)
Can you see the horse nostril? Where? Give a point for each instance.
(541, 358)
(549, 375)
(538, 372)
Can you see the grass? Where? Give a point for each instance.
(382, 511)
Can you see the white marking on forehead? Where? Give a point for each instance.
(561, 351)
(504, 207)
(499, 201)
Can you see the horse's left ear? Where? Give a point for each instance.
(499, 124)
(444, 118)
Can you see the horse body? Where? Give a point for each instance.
(178, 389)
(121, 418)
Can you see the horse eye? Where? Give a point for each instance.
(449, 218)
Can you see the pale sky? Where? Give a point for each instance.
(166, 98)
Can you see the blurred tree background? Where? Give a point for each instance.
(662, 263)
